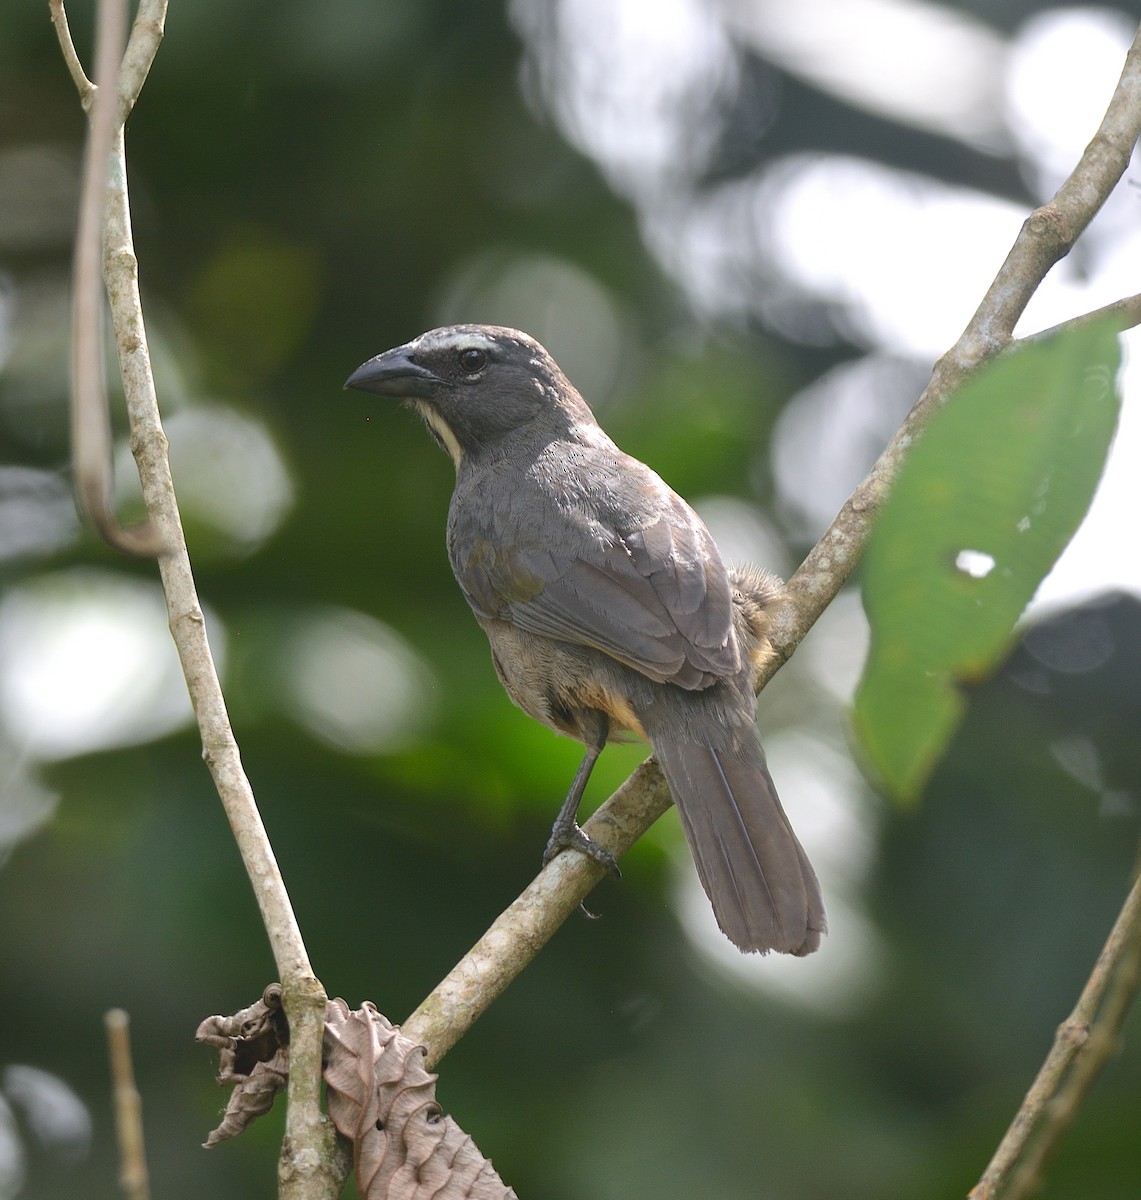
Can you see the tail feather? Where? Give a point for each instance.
(762, 887)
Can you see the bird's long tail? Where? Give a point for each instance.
(757, 877)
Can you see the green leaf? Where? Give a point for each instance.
(984, 504)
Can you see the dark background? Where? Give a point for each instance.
(311, 184)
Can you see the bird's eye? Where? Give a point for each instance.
(472, 361)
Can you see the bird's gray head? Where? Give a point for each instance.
(473, 384)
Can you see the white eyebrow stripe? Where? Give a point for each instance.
(455, 340)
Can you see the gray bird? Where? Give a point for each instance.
(609, 611)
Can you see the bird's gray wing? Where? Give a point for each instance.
(634, 573)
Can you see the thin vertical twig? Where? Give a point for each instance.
(308, 1167)
(90, 415)
(133, 1175)
(120, 270)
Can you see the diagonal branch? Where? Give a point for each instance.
(83, 85)
(525, 927)
(1046, 236)
(1082, 1046)
(1126, 312)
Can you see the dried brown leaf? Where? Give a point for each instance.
(381, 1097)
(253, 1058)
(252, 1097)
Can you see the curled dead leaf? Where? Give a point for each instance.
(253, 1058)
(380, 1097)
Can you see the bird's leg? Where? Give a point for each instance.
(565, 833)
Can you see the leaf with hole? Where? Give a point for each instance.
(984, 504)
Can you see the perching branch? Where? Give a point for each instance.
(1046, 236)
(303, 1168)
(524, 928)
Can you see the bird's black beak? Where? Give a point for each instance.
(393, 373)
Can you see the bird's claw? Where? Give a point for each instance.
(571, 837)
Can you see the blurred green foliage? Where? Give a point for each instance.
(313, 183)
